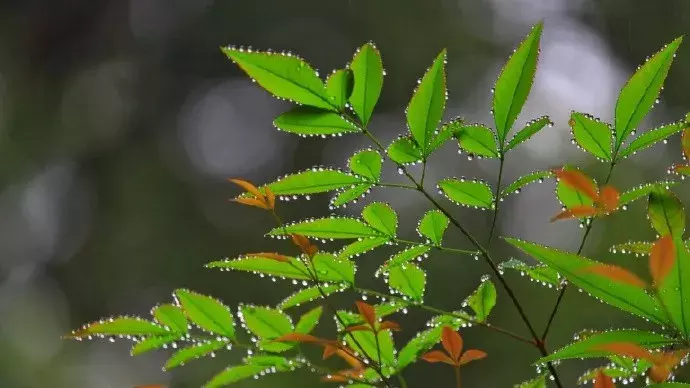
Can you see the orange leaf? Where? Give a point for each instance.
(389, 325)
(329, 350)
(252, 202)
(659, 373)
(247, 186)
(367, 312)
(359, 328)
(579, 182)
(609, 198)
(628, 349)
(347, 355)
(304, 244)
(270, 197)
(311, 250)
(437, 356)
(472, 355)
(299, 337)
(616, 273)
(685, 142)
(452, 342)
(603, 381)
(270, 256)
(576, 212)
(344, 375)
(661, 259)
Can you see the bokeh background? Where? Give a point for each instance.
(121, 120)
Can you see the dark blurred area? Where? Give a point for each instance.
(121, 120)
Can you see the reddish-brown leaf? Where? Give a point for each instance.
(389, 325)
(270, 256)
(472, 355)
(609, 198)
(359, 328)
(299, 337)
(344, 375)
(452, 342)
(661, 259)
(603, 381)
(347, 354)
(329, 350)
(438, 356)
(302, 242)
(659, 373)
(367, 312)
(579, 182)
(311, 250)
(247, 186)
(685, 142)
(628, 349)
(270, 198)
(252, 202)
(576, 212)
(617, 274)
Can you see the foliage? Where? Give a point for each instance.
(370, 354)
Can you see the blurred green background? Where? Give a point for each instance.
(121, 120)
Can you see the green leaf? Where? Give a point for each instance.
(468, 192)
(331, 227)
(367, 68)
(477, 139)
(650, 138)
(381, 217)
(361, 246)
(329, 266)
(643, 191)
(284, 76)
(253, 369)
(382, 310)
(514, 83)
(309, 121)
(641, 91)
(426, 339)
(530, 129)
(120, 326)
(669, 385)
(352, 194)
(587, 347)
(539, 273)
(619, 368)
(171, 316)
(206, 312)
(482, 300)
(537, 382)
(403, 151)
(593, 135)
(428, 103)
(368, 164)
(444, 134)
(666, 213)
(407, 279)
(620, 295)
(674, 291)
(339, 87)
(309, 294)
(295, 269)
(569, 197)
(313, 181)
(433, 225)
(152, 343)
(516, 187)
(367, 341)
(633, 247)
(193, 352)
(404, 257)
(267, 324)
(308, 321)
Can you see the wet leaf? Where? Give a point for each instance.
(428, 102)
(477, 139)
(482, 300)
(603, 381)
(295, 269)
(171, 316)
(381, 217)
(662, 258)
(408, 280)
(331, 227)
(314, 181)
(617, 274)
(405, 256)
(206, 312)
(650, 138)
(367, 312)
(309, 121)
(425, 340)
(309, 294)
(403, 150)
(540, 273)
(666, 213)
(643, 191)
(367, 69)
(362, 246)
(641, 91)
(515, 82)
(284, 76)
(308, 321)
(609, 198)
(120, 326)
(592, 135)
(444, 134)
(468, 193)
(234, 374)
(579, 182)
(591, 346)
(576, 212)
(537, 176)
(193, 352)
(531, 129)
(433, 225)
(153, 343)
(573, 267)
(339, 87)
(267, 324)
(570, 197)
(353, 193)
(674, 290)
(368, 164)
(537, 382)
(634, 247)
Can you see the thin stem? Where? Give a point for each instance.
(561, 293)
(421, 182)
(458, 384)
(440, 248)
(496, 201)
(398, 185)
